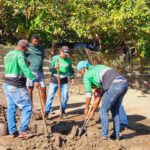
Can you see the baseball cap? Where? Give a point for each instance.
(82, 64)
(65, 49)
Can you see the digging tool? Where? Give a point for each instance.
(59, 89)
(82, 129)
(43, 117)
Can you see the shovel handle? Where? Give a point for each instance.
(88, 116)
(59, 88)
(42, 112)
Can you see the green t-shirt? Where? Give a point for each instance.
(65, 66)
(93, 78)
(16, 69)
(35, 56)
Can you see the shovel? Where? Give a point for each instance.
(82, 129)
(43, 117)
(59, 90)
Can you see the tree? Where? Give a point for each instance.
(114, 22)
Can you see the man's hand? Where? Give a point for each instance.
(86, 110)
(72, 81)
(92, 114)
(37, 85)
(56, 66)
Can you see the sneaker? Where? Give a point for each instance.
(63, 115)
(104, 137)
(13, 135)
(26, 134)
(52, 111)
(123, 127)
(116, 138)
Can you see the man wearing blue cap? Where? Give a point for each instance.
(114, 85)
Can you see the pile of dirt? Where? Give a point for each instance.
(3, 114)
(64, 135)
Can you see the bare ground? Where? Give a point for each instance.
(63, 134)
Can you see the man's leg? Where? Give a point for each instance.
(30, 86)
(108, 100)
(123, 116)
(30, 90)
(11, 108)
(43, 95)
(52, 90)
(104, 112)
(40, 77)
(120, 89)
(64, 89)
(116, 118)
(24, 103)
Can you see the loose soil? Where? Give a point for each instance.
(64, 132)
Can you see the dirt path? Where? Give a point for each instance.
(64, 136)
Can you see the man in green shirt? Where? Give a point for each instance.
(114, 86)
(65, 69)
(15, 89)
(35, 57)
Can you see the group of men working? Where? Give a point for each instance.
(24, 70)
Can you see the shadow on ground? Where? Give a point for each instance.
(136, 124)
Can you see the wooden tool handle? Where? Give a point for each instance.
(42, 112)
(59, 87)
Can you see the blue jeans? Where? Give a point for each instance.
(123, 116)
(17, 97)
(111, 101)
(52, 90)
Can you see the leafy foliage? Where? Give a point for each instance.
(115, 22)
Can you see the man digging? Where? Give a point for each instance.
(114, 86)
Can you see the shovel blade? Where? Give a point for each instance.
(81, 131)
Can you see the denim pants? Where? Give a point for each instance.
(17, 98)
(51, 93)
(111, 101)
(123, 116)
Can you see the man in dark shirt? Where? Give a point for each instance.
(35, 57)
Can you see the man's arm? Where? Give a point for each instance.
(24, 68)
(71, 71)
(88, 89)
(52, 66)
